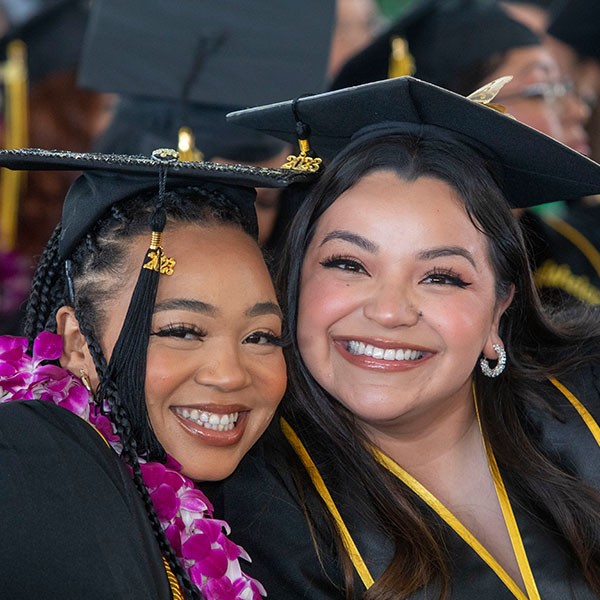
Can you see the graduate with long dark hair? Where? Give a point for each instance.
(440, 435)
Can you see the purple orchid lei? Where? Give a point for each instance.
(185, 513)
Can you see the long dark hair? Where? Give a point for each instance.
(95, 268)
(538, 344)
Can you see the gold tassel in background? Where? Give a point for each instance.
(186, 146)
(402, 62)
(14, 78)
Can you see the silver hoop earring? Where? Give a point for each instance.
(485, 365)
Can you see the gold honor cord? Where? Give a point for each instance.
(580, 408)
(315, 476)
(453, 521)
(578, 240)
(509, 518)
(173, 583)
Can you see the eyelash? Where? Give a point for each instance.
(448, 277)
(180, 330)
(343, 264)
(444, 276)
(272, 339)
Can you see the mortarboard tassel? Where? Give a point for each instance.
(306, 160)
(127, 365)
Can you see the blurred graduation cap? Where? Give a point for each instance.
(53, 37)
(437, 41)
(186, 66)
(577, 23)
(141, 124)
(228, 53)
(534, 168)
(107, 179)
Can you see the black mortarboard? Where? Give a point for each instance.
(227, 53)
(534, 168)
(53, 37)
(444, 37)
(107, 179)
(577, 23)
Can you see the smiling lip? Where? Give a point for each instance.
(367, 354)
(213, 437)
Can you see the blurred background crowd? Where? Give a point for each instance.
(129, 77)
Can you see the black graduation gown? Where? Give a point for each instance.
(72, 525)
(261, 504)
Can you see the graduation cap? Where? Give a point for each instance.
(53, 38)
(141, 124)
(237, 54)
(445, 38)
(107, 179)
(535, 168)
(577, 24)
(179, 71)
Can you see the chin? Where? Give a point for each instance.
(200, 475)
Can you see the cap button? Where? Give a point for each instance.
(165, 155)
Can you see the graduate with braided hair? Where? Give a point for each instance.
(152, 317)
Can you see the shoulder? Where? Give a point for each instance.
(570, 431)
(69, 507)
(262, 487)
(266, 512)
(41, 433)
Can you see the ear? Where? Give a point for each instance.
(494, 337)
(76, 355)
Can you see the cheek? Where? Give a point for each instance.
(462, 324)
(271, 381)
(322, 303)
(164, 373)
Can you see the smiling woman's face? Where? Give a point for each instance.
(397, 302)
(215, 371)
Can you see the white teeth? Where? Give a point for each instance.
(360, 348)
(378, 352)
(208, 420)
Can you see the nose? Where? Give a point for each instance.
(225, 370)
(390, 306)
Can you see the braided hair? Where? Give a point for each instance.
(90, 276)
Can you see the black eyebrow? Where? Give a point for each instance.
(352, 238)
(432, 253)
(264, 308)
(186, 304)
(259, 309)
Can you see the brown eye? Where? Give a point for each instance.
(263, 338)
(343, 264)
